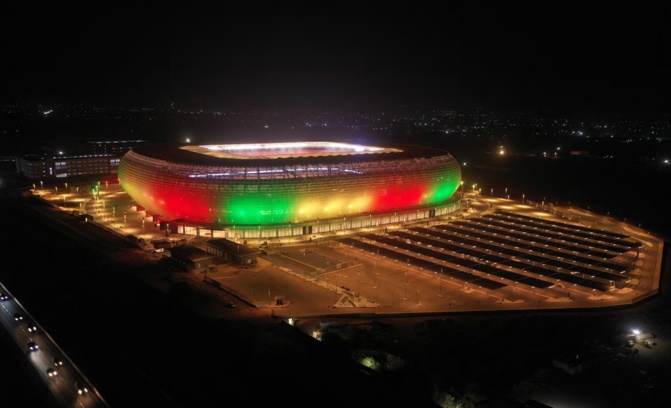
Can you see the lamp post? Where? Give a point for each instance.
(374, 275)
(358, 285)
(441, 283)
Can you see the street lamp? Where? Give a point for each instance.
(358, 285)
(441, 283)
(374, 275)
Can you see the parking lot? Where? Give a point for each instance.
(485, 260)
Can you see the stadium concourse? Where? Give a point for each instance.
(498, 255)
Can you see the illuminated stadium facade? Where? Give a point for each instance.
(274, 190)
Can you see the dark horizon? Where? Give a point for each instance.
(271, 57)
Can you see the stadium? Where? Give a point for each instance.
(275, 190)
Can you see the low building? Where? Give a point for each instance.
(191, 258)
(233, 252)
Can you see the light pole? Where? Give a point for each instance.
(441, 283)
(374, 275)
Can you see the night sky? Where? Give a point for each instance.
(268, 56)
